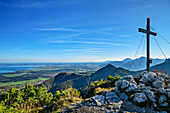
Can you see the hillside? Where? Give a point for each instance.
(165, 66)
(138, 64)
(64, 80)
(61, 77)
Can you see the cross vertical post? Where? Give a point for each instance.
(148, 45)
(148, 33)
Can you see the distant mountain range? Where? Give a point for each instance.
(63, 81)
(138, 64)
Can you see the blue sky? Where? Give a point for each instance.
(79, 30)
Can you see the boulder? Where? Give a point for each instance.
(141, 85)
(132, 88)
(117, 89)
(146, 88)
(150, 95)
(99, 99)
(147, 78)
(121, 84)
(158, 84)
(123, 96)
(144, 79)
(118, 84)
(112, 98)
(117, 105)
(125, 84)
(164, 76)
(163, 101)
(111, 95)
(114, 101)
(151, 76)
(160, 79)
(140, 99)
(129, 78)
(163, 91)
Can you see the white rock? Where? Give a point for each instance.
(165, 104)
(163, 75)
(129, 78)
(140, 98)
(148, 77)
(125, 84)
(111, 95)
(162, 101)
(99, 99)
(158, 84)
(114, 101)
(117, 89)
(162, 98)
(141, 85)
(150, 95)
(123, 96)
(160, 79)
(132, 87)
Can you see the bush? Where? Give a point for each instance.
(57, 95)
(113, 79)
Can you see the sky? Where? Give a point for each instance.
(80, 30)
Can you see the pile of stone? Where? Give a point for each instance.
(149, 92)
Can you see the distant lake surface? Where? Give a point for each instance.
(12, 68)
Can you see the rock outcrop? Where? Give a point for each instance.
(147, 92)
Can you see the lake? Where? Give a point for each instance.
(12, 68)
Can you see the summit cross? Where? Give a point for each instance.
(148, 33)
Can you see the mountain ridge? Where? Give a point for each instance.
(77, 81)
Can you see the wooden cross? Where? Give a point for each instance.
(148, 33)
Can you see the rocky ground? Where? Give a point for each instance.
(144, 93)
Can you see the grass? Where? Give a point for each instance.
(22, 82)
(14, 75)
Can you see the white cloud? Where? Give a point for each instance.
(57, 29)
(87, 42)
(29, 4)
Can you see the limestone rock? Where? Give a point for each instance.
(114, 101)
(158, 84)
(150, 95)
(112, 98)
(160, 79)
(163, 91)
(111, 95)
(129, 78)
(125, 84)
(147, 78)
(121, 84)
(141, 85)
(132, 88)
(123, 96)
(99, 99)
(164, 76)
(117, 105)
(163, 101)
(140, 98)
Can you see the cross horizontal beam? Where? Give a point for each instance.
(147, 32)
